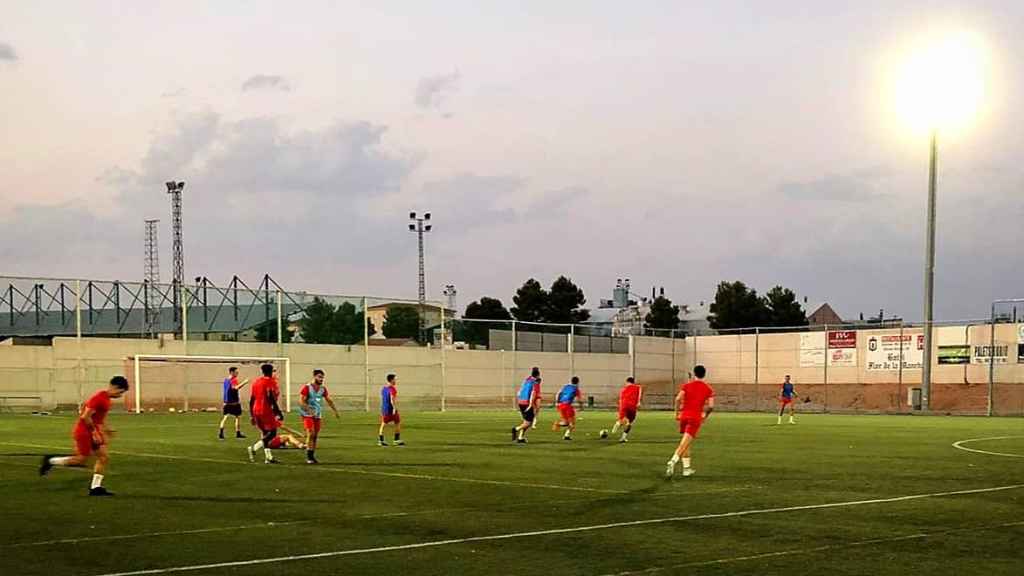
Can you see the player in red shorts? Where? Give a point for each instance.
(629, 403)
(566, 412)
(695, 402)
(389, 411)
(91, 434)
(311, 400)
(786, 396)
(266, 415)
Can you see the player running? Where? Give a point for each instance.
(311, 399)
(266, 414)
(91, 434)
(232, 404)
(786, 397)
(566, 412)
(629, 403)
(529, 400)
(695, 402)
(389, 411)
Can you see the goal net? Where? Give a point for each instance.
(195, 383)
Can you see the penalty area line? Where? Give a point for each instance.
(553, 531)
(816, 549)
(959, 445)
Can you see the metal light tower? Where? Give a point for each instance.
(178, 258)
(929, 278)
(450, 292)
(419, 226)
(152, 278)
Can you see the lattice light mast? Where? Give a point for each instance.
(420, 225)
(177, 258)
(152, 278)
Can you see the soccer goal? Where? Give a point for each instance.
(190, 383)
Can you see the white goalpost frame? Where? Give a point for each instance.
(139, 358)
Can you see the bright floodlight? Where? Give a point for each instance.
(940, 85)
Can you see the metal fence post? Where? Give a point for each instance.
(826, 367)
(572, 350)
(79, 367)
(992, 357)
(757, 369)
(444, 372)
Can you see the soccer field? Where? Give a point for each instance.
(830, 495)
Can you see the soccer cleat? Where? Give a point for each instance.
(100, 491)
(381, 443)
(45, 467)
(566, 437)
(687, 471)
(312, 461)
(521, 441)
(252, 454)
(670, 469)
(623, 440)
(791, 421)
(220, 435)
(272, 461)
(399, 442)
(239, 435)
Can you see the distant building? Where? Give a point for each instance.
(821, 314)
(431, 313)
(694, 319)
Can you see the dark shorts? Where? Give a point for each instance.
(527, 411)
(232, 409)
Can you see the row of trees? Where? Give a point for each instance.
(325, 323)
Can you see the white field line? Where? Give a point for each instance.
(959, 445)
(513, 535)
(152, 534)
(351, 471)
(816, 549)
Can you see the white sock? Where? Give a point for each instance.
(267, 454)
(616, 427)
(257, 446)
(686, 462)
(791, 419)
(97, 481)
(624, 435)
(674, 459)
(522, 432)
(60, 460)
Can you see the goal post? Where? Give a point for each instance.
(184, 381)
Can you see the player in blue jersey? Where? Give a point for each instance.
(566, 412)
(232, 403)
(311, 400)
(786, 397)
(389, 411)
(528, 399)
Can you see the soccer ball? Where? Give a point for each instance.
(604, 434)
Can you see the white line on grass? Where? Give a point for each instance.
(959, 445)
(354, 471)
(815, 549)
(553, 531)
(152, 534)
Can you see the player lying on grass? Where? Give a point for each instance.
(629, 403)
(566, 412)
(786, 397)
(311, 400)
(232, 403)
(694, 403)
(91, 435)
(529, 401)
(290, 439)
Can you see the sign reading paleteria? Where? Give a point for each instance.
(884, 351)
(842, 348)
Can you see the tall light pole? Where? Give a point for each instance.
(420, 225)
(178, 258)
(929, 276)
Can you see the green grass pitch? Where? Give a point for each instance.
(818, 497)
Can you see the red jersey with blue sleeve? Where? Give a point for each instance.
(529, 390)
(568, 393)
(387, 400)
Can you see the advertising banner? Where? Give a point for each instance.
(986, 352)
(884, 352)
(812, 349)
(1020, 343)
(842, 348)
(956, 354)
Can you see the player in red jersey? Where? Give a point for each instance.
(695, 402)
(266, 415)
(91, 434)
(629, 403)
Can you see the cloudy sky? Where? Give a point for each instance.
(674, 143)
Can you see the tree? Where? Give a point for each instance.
(783, 308)
(737, 306)
(531, 302)
(401, 322)
(318, 325)
(564, 302)
(267, 331)
(485, 309)
(663, 315)
(348, 325)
